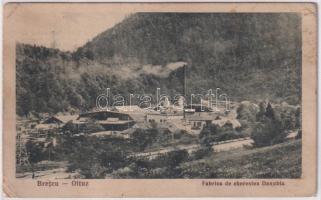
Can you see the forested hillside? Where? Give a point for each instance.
(51, 81)
(249, 56)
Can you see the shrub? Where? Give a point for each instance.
(95, 158)
(174, 158)
(247, 111)
(203, 152)
(35, 151)
(272, 124)
(170, 159)
(213, 133)
(268, 132)
(35, 154)
(143, 138)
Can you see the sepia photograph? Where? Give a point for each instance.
(158, 93)
(165, 95)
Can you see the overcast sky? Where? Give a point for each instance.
(66, 27)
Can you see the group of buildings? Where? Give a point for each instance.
(121, 119)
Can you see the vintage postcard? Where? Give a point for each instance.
(160, 99)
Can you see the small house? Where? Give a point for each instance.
(199, 120)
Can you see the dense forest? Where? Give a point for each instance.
(249, 56)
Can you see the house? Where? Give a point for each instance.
(199, 120)
(109, 120)
(60, 119)
(52, 124)
(55, 122)
(161, 118)
(292, 135)
(198, 108)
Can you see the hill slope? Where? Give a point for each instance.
(249, 56)
(278, 161)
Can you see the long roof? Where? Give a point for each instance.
(126, 109)
(66, 118)
(61, 118)
(201, 116)
(120, 122)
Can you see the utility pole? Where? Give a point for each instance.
(185, 97)
(53, 44)
(185, 80)
(49, 152)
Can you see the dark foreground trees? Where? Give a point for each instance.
(35, 154)
(213, 133)
(94, 158)
(268, 129)
(268, 132)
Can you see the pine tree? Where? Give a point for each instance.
(270, 112)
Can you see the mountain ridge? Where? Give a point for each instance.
(249, 56)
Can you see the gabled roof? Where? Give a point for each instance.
(67, 118)
(234, 122)
(292, 134)
(61, 118)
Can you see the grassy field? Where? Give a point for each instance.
(278, 161)
(47, 165)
